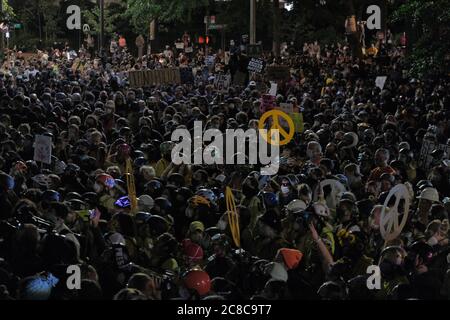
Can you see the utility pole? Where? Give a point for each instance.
(2, 40)
(102, 26)
(252, 21)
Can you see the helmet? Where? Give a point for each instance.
(158, 225)
(139, 162)
(51, 196)
(106, 180)
(197, 280)
(430, 194)
(154, 188)
(296, 206)
(145, 202)
(72, 196)
(207, 194)
(196, 201)
(142, 217)
(123, 202)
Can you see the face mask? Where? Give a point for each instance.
(285, 190)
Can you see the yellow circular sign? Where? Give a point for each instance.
(276, 115)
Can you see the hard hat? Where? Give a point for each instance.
(198, 280)
(296, 206)
(430, 194)
(106, 180)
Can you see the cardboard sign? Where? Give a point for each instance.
(287, 108)
(380, 82)
(256, 65)
(222, 82)
(273, 89)
(189, 50)
(297, 118)
(278, 73)
(148, 78)
(267, 103)
(179, 45)
(43, 149)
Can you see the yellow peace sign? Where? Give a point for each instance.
(275, 115)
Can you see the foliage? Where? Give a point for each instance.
(431, 21)
(141, 12)
(112, 15)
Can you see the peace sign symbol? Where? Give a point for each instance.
(389, 224)
(271, 135)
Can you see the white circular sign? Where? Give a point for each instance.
(389, 224)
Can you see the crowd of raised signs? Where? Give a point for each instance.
(365, 182)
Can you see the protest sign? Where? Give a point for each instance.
(287, 108)
(256, 65)
(210, 61)
(380, 82)
(278, 73)
(179, 45)
(222, 82)
(267, 103)
(189, 50)
(43, 149)
(147, 78)
(273, 89)
(297, 118)
(425, 158)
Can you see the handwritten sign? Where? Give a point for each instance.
(43, 149)
(222, 82)
(255, 65)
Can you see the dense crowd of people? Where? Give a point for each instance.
(299, 239)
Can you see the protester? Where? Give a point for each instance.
(309, 232)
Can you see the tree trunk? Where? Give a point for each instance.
(276, 28)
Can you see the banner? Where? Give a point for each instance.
(256, 65)
(148, 78)
(278, 73)
(43, 149)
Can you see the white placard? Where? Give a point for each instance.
(273, 89)
(43, 149)
(380, 81)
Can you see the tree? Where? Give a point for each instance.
(112, 14)
(141, 12)
(430, 21)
